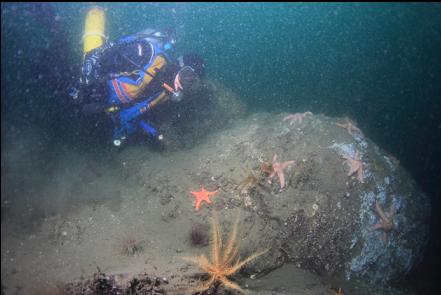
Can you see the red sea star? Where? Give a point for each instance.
(202, 196)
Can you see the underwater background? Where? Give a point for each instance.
(378, 63)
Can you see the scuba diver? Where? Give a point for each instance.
(127, 78)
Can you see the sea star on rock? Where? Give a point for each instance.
(349, 126)
(277, 168)
(386, 223)
(297, 117)
(202, 196)
(356, 165)
(334, 292)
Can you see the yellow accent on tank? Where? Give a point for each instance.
(94, 29)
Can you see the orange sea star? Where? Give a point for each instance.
(386, 223)
(356, 165)
(297, 117)
(277, 168)
(349, 126)
(202, 196)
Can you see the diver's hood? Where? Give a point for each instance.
(190, 80)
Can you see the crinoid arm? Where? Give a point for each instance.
(205, 285)
(216, 247)
(222, 262)
(232, 247)
(238, 265)
(229, 284)
(200, 261)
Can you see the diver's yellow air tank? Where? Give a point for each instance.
(94, 29)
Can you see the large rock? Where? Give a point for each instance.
(323, 220)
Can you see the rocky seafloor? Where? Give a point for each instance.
(321, 222)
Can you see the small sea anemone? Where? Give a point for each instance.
(267, 167)
(131, 246)
(198, 235)
(245, 186)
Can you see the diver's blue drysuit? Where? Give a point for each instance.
(137, 70)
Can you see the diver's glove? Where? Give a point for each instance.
(75, 91)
